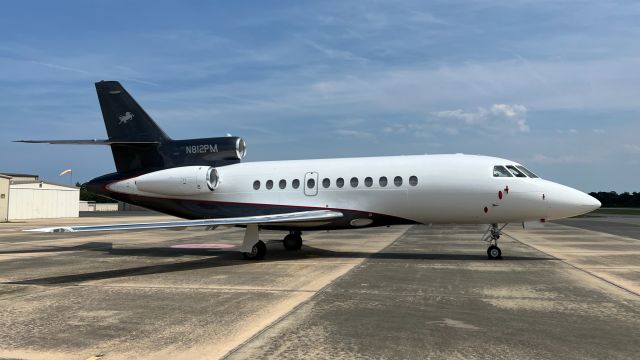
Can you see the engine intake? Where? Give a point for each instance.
(185, 180)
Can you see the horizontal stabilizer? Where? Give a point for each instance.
(85, 142)
(302, 216)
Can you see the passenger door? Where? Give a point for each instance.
(311, 183)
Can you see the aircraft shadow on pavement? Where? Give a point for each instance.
(221, 258)
(87, 246)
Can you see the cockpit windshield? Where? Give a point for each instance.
(515, 171)
(526, 171)
(501, 171)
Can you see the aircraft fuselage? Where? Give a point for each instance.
(375, 191)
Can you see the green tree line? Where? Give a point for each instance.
(85, 195)
(613, 199)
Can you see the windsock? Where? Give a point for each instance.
(68, 171)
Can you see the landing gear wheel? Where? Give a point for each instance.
(292, 242)
(258, 251)
(494, 252)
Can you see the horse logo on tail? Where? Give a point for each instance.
(125, 118)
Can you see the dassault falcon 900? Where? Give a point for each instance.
(204, 181)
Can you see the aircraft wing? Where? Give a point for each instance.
(302, 216)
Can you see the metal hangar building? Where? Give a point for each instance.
(25, 196)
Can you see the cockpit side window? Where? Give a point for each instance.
(526, 171)
(500, 171)
(515, 171)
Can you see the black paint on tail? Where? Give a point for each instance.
(139, 145)
(124, 118)
(126, 122)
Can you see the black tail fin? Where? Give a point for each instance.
(124, 118)
(138, 144)
(139, 137)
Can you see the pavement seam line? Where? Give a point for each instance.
(318, 293)
(229, 289)
(576, 267)
(602, 232)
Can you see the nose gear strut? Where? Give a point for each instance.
(491, 236)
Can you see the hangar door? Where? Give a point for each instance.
(4, 199)
(42, 200)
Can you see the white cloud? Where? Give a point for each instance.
(561, 159)
(395, 129)
(632, 148)
(358, 134)
(500, 117)
(611, 84)
(569, 131)
(349, 122)
(335, 53)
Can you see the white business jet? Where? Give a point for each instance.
(204, 181)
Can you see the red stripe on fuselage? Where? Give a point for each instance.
(105, 187)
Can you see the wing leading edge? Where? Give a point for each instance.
(302, 216)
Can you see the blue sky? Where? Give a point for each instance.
(554, 85)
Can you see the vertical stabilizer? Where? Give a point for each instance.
(138, 138)
(124, 118)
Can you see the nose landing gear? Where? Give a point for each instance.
(491, 236)
(494, 252)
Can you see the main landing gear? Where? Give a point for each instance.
(491, 236)
(258, 251)
(252, 247)
(255, 249)
(293, 241)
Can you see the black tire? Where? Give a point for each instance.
(258, 251)
(292, 242)
(494, 253)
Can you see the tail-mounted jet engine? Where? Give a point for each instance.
(180, 181)
(210, 149)
(241, 148)
(186, 180)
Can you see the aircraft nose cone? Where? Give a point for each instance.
(593, 203)
(583, 203)
(567, 202)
